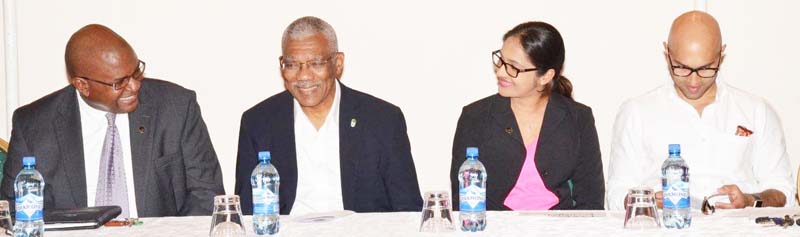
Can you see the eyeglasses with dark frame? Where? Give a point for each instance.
(315, 64)
(684, 71)
(510, 69)
(120, 83)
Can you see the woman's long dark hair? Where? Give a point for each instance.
(545, 48)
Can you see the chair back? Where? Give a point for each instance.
(3, 154)
(3, 146)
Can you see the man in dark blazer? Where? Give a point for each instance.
(174, 166)
(376, 170)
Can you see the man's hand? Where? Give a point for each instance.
(738, 199)
(769, 197)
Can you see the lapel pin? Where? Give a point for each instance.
(353, 122)
(141, 129)
(509, 130)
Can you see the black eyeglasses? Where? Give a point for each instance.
(120, 83)
(684, 71)
(316, 65)
(510, 69)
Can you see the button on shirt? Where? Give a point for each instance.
(716, 156)
(93, 128)
(319, 185)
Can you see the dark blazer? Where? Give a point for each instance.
(175, 168)
(567, 154)
(377, 171)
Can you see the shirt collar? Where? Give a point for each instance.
(333, 113)
(87, 111)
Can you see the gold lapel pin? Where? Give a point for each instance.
(509, 130)
(353, 122)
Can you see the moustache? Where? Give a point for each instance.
(304, 84)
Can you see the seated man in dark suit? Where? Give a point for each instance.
(334, 147)
(113, 137)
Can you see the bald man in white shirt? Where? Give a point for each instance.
(731, 140)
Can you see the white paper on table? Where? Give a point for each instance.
(319, 217)
(580, 213)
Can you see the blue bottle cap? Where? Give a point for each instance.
(472, 152)
(674, 149)
(28, 160)
(264, 156)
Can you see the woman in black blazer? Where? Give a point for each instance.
(533, 111)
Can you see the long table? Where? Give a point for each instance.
(537, 223)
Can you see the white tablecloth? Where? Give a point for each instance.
(731, 223)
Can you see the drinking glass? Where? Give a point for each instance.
(6, 228)
(436, 213)
(640, 209)
(226, 221)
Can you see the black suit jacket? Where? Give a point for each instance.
(175, 168)
(567, 153)
(377, 170)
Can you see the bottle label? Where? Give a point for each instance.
(265, 202)
(472, 199)
(29, 207)
(676, 191)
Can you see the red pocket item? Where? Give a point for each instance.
(743, 131)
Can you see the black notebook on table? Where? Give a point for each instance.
(83, 218)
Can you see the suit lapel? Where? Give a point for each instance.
(553, 115)
(283, 125)
(350, 134)
(504, 119)
(505, 124)
(142, 127)
(70, 140)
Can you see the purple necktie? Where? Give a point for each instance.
(111, 186)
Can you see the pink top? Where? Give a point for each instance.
(530, 193)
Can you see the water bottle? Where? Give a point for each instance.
(265, 182)
(472, 193)
(29, 190)
(675, 184)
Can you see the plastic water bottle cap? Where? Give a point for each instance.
(264, 156)
(28, 160)
(674, 149)
(472, 152)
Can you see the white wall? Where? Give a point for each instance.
(5, 130)
(428, 57)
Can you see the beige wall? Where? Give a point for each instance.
(5, 130)
(428, 57)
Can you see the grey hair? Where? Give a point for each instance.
(309, 26)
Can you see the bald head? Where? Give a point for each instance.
(695, 32)
(694, 54)
(97, 61)
(97, 48)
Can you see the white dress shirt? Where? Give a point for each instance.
(319, 184)
(93, 127)
(716, 156)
